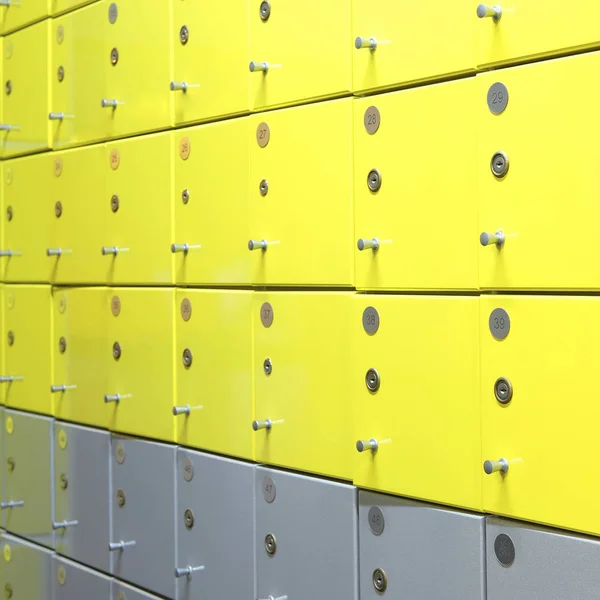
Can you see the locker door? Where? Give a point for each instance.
(72, 581)
(122, 591)
(16, 15)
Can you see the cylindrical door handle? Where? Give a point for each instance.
(112, 546)
(61, 388)
(9, 3)
(115, 397)
(487, 239)
(182, 410)
(364, 445)
(63, 524)
(258, 245)
(364, 244)
(363, 42)
(8, 127)
(178, 86)
(59, 116)
(114, 250)
(259, 66)
(10, 253)
(495, 466)
(57, 251)
(10, 378)
(256, 425)
(187, 571)
(495, 12)
(12, 504)
(106, 103)
(185, 248)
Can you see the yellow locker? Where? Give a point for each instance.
(28, 352)
(211, 206)
(58, 7)
(80, 344)
(213, 369)
(298, 55)
(397, 43)
(24, 125)
(415, 389)
(139, 361)
(16, 14)
(539, 407)
(537, 183)
(302, 349)
(210, 51)
(414, 186)
(522, 30)
(301, 213)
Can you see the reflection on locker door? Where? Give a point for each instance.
(416, 397)
(142, 546)
(215, 527)
(538, 366)
(401, 540)
(72, 581)
(211, 206)
(140, 393)
(27, 505)
(301, 211)
(398, 43)
(302, 351)
(414, 230)
(321, 535)
(82, 493)
(213, 358)
(532, 214)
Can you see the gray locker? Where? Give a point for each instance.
(418, 551)
(28, 500)
(25, 570)
(142, 544)
(526, 562)
(215, 527)
(82, 494)
(306, 537)
(122, 591)
(71, 581)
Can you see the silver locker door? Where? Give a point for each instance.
(419, 551)
(215, 527)
(306, 537)
(71, 581)
(123, 591)
(82, 494)
(143, 513)
(28, 477)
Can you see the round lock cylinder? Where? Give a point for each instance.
(58, 209)
(379, 579)
(62, 345)
(372, 380)
(187, 358)
(499, 164)
(503, 390)
(184, 35)
(9, 213)
(114, 56)
(270, 544)
(114, 203)
(116, 351)
(185, 196)
(63, 481)
(8, 87)
(188, 518)
(268, 366)
(264, 187)
(121, 498)
(10, 464)
(374, 180)
(265, 10)
(10, 338)
(60, 74)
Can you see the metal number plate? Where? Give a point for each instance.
(120, 453)
(115, 306)
(188, 469)
(115, 159)
(185, 148)
(186, 309)
(505, 550)
(497, 98)
(370, 320)
(113, 12)
(376, 520)
(372, 119)
(263, 134)
(58, 167)
(269, 490)
(266, 314)
(499, 323)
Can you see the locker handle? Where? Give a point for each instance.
(63, 524)
(110, 103)
(187, 571)
(112, 546)
(185, 248)
(495, 466)
(256, 425)
(488, 239)
(9, 3)
(115, 397)
(59, 116)
(260, 244)
(10, 253)
(363, 42)
(6, 126)
(364, 445)
(364, 244)
(182, 86)
(114, 250)
(57, 251)
(12, 504)
(10, 378)
(495, 12)
(61, 388)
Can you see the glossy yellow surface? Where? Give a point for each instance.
(81, 319)
(143, 374)
(25, 62)
(545, 209)
(416, 41)
(216, 326)
(308, 52)
(212, 58)
(530, 29)
(28, 317)
(60, 6)
(426, 413)
(548, 432)
(425, 213)
(307, 395)
(211, 210)
(307, 215)
(19, 14)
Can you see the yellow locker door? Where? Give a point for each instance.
(81, 355)
(534, 213)
(141, 390)
(58, 7)
(301, 214)
(28, 351)
(137, 51)
(24, 127)
(539, 407)
(397, 43)
(28, 217)
(77, 77)
(211, 204)
(213, 369)
(16, 14)
(415, 390)
(138, 207)
(210, 48)
(302, 349)
(415, 207)
(520, 30)
(297, 55)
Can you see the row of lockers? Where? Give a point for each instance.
(188, 525)
(96, 73)
(398, 191)
(457, 400)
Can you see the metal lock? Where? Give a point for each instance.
(503, 390)
(60, 73)
(379, 580)
(188, 518)
(270, 544)
(8, 87)
(265, 10)
(10, 464)
(58, 209)
(268, 366)
(116, 351)
(8, 592)
(62, 345)
(121, 498)
(9, 213)
(499, 164)
(114, 203)
(184, 35)
(187, 358)
(372, 380)
(185, 196)
(11, 338)
(114, 56)
(63, 481)
(264, 187)
(374, 180)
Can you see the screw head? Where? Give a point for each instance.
(114, 203)
(63, 481)
(374, 180)
(9, 213)
(264, 187)
(499, 164)
(503, 390)
(62, 345)
(270, 544)
(114, 56)
(372, 380)
(184, 35)
(121, 498)
(188, 518)
(8, 87)
(10, 338)
(116, 351)
(58, 209)
(268, 366)
(379, 580)
(265, 10)
(187, 358)
(60, 74)
(185, 196)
